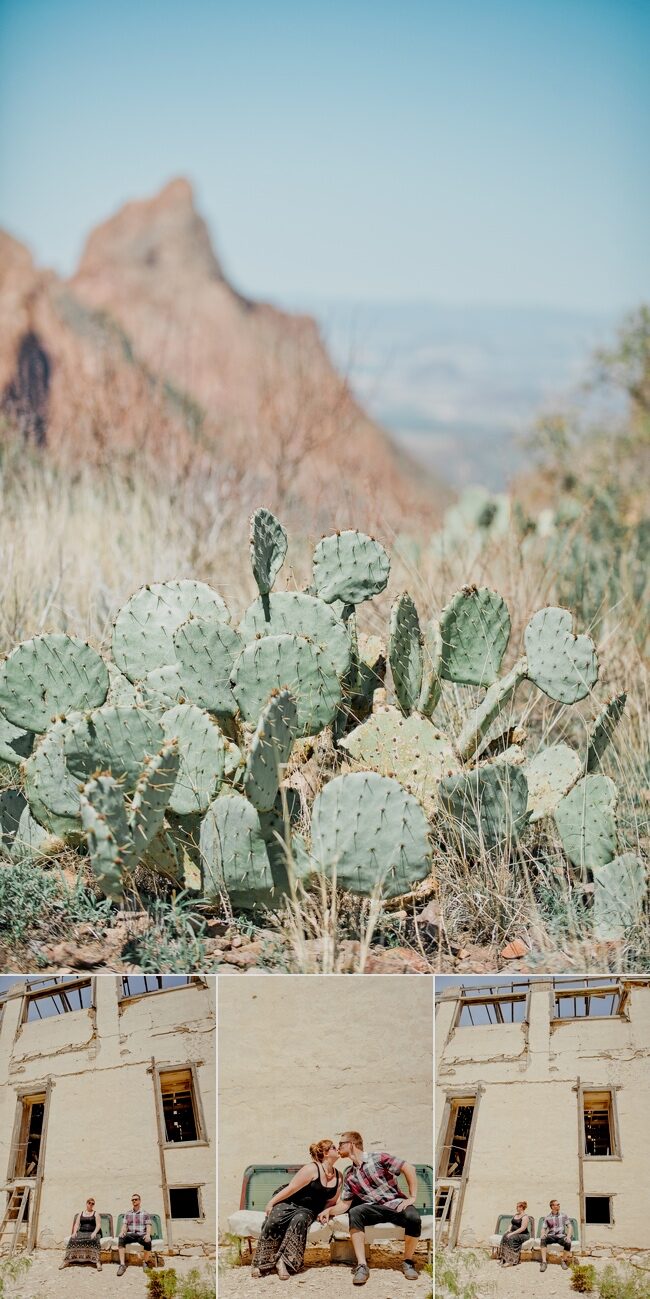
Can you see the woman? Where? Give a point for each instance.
(291, 1211)
(509, 1252)
(85, 1242)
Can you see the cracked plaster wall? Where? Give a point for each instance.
(102, 1137)
(302, 1059)
(528, 1129)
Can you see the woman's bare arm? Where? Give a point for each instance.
(300, 1179)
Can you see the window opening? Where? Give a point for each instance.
(134, 985)
(586, 998)
(28, 1154)
(184, 1202)
(599, 1124)
(61, 999)
(598, 1209)
(179, 1105)
(458, 1133)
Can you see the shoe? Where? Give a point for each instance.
(360, 1274)
(543, 1267)
(410, 1272)
(98, 1266)
(255, 1271)
(565, 1265)
(121, 1269)
(282, 1270)
(63, 1264)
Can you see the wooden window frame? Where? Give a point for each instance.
(55, 989)
(187, 1186)
(612, 988)
(192, 1066)
(601, 1195)
(494, 998)
(614, 1127)
(193, 981)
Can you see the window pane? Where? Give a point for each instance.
(178, 1105)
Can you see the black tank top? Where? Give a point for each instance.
(86, 1222)
(314, 1195)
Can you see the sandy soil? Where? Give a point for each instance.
(320, 1280)
(45, 1281)
(527, 1282)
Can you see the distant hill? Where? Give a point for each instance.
(457, 387)
(149, 348)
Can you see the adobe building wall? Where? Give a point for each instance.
(102, 1134)
(529, 1126)
(303, 1059)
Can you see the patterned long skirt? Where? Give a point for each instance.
(82, 1248)
(510, 1249)
(284, 1235)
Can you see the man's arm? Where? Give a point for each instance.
(569, 1229)
(412, 1183)
(341, 1206)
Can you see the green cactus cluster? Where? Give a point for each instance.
(178, 750)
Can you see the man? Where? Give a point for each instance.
(370, 1194)
(136, 1230)
(556, 1230)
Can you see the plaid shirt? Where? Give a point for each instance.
(375, 1181)
(135, 1224)
(555, 1224)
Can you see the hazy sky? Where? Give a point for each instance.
(456, 150)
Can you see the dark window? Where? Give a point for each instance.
(599, 1125)
(598, 1209)
(134, 985)
(62, 998)
(184, 1202)
(460, 1126)
(179, 1107)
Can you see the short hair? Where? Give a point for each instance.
(354, 1137)
(552, 1202)
(523, 1203)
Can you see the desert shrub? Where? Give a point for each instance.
(623, 1283)
(584, 1277)
(12, 1270)
(454, 1273)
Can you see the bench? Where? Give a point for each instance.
(260, 1181)
(106, 1239)
(503, 1225)
(533, 1244)
(135, 1253)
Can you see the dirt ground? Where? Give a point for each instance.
(45, 1281)
(320, 1280)
(526, 1281)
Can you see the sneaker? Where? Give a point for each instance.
(410, 1272)
(543, 1267)
(565, 1265)
(121, 1269)
(360, 1274)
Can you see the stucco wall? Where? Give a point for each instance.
(529, 1128)
(306, 1058)
(102, 1136)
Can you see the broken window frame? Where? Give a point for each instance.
(55, 988)
(454, 1103)
(598, 1196)
(595, 1093)
(124, 992)
(202, 1139)
(493, 998)
(188, 1186)
(582, 992)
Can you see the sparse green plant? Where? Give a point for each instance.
(583, 1277)
(620, 1281)
(455, 1274)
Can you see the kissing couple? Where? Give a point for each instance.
(368, 1191)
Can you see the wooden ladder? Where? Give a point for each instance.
(14, 1217)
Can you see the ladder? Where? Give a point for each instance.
(14, 1216)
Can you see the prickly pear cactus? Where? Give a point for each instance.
(409, 748)
(104, 821)
(370, 835)
(620, 889)
(405, 653)
(292, 663)
(269, 750)
(143, 633)
(268, 549)
(48, 676)
(205, 654)
(564, 666)
(233, 853)
(113, 739)
(602, 730)
(351, 567)
(301, 615)
(475, 630)
(550, 775)
(151, 797)
(51, 790)
(202, 754)
(15, 743)
(431, 687)
(586, 822)
(487, 805)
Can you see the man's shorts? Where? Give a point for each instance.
(132, 1238)
(368, 1214)
(557, 1240)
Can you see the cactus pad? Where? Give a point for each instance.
(268, 549)
(409, 748)
(370, 835)
(143, 633)
(475, 630)
(603, 729)
(564, 666)
(31, 843)
(151, 797)
(431, 665)
(49, 676)
(300, 615)
(620, 890)
(269, 750)
(487, 805)
(550, 774)
(103, 817)
(12, 806)
(202, 753)
(351, 567)
(113, 739)
(15, 743)
(405, 652)
(586, 821)
(205, 654)
(292, 663)
(234, 854)
(51, 790)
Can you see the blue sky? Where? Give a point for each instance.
(462, 151)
